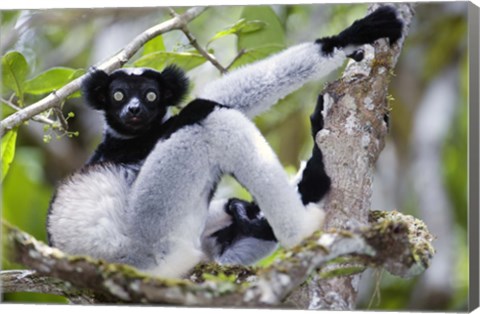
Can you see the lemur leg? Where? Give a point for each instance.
(315, 182)
(248, 157)
(244, 219)
(244, 239)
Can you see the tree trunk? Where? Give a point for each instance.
(355, 128)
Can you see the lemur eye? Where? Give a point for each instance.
(151, 96)
(118, 96)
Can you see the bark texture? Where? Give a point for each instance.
(399, 243)
(354, 135)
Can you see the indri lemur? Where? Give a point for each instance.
(145, 197)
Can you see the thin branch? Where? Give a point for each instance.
(398, 242)
(109, 65)
(61, 118)
(193, 41)
(37, 118)
(238, 56)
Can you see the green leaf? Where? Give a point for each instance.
(14, 72)
(6, 110)
(8, 150)
(158, 60)
(254, 54)
(242, 26)
(50, 80)
(74, 76)
(271, 35)
(154, 45)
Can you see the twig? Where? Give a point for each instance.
(238, 56)
(37, 118)
(109, 65)
(193, 41)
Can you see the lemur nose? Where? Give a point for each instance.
(134, 110)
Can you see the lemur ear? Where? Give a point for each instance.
(95, 89)
(175, 84)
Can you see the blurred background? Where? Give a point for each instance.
(422, 170)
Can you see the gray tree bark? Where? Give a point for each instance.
(351, 142)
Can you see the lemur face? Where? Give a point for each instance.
(134, 100)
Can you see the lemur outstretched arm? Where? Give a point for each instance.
(256, 87)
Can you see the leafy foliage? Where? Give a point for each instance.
(263, 41)
(14, 72)
(242, 26)
(51, 80)
(8, 151)
(160, 59)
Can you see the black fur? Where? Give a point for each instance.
(136, 149)
(248, 219)
(315, 182)
(195, 112)
(137, 143)
(382, 23)
(246, 223)
(357, 55)
(133, 115)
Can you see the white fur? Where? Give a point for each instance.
(255, 88)
(183, 257)
(87, 215)
(217, 218)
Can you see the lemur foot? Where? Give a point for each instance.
(382, 23)
(357, 55)
(249, 219)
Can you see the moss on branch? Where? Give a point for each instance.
(399, 243)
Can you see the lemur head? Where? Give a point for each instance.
(134, 99)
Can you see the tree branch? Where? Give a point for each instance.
(193, 41)
(115, 62)
(36, 118)
(400, 243)
(30, 281)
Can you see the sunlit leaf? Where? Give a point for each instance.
(8, 150)
(6, 110)
(271, 35)
(50, 80)
(154, 45)
(158, 60)
(74, 76)
(14, 72)
(241, 27)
